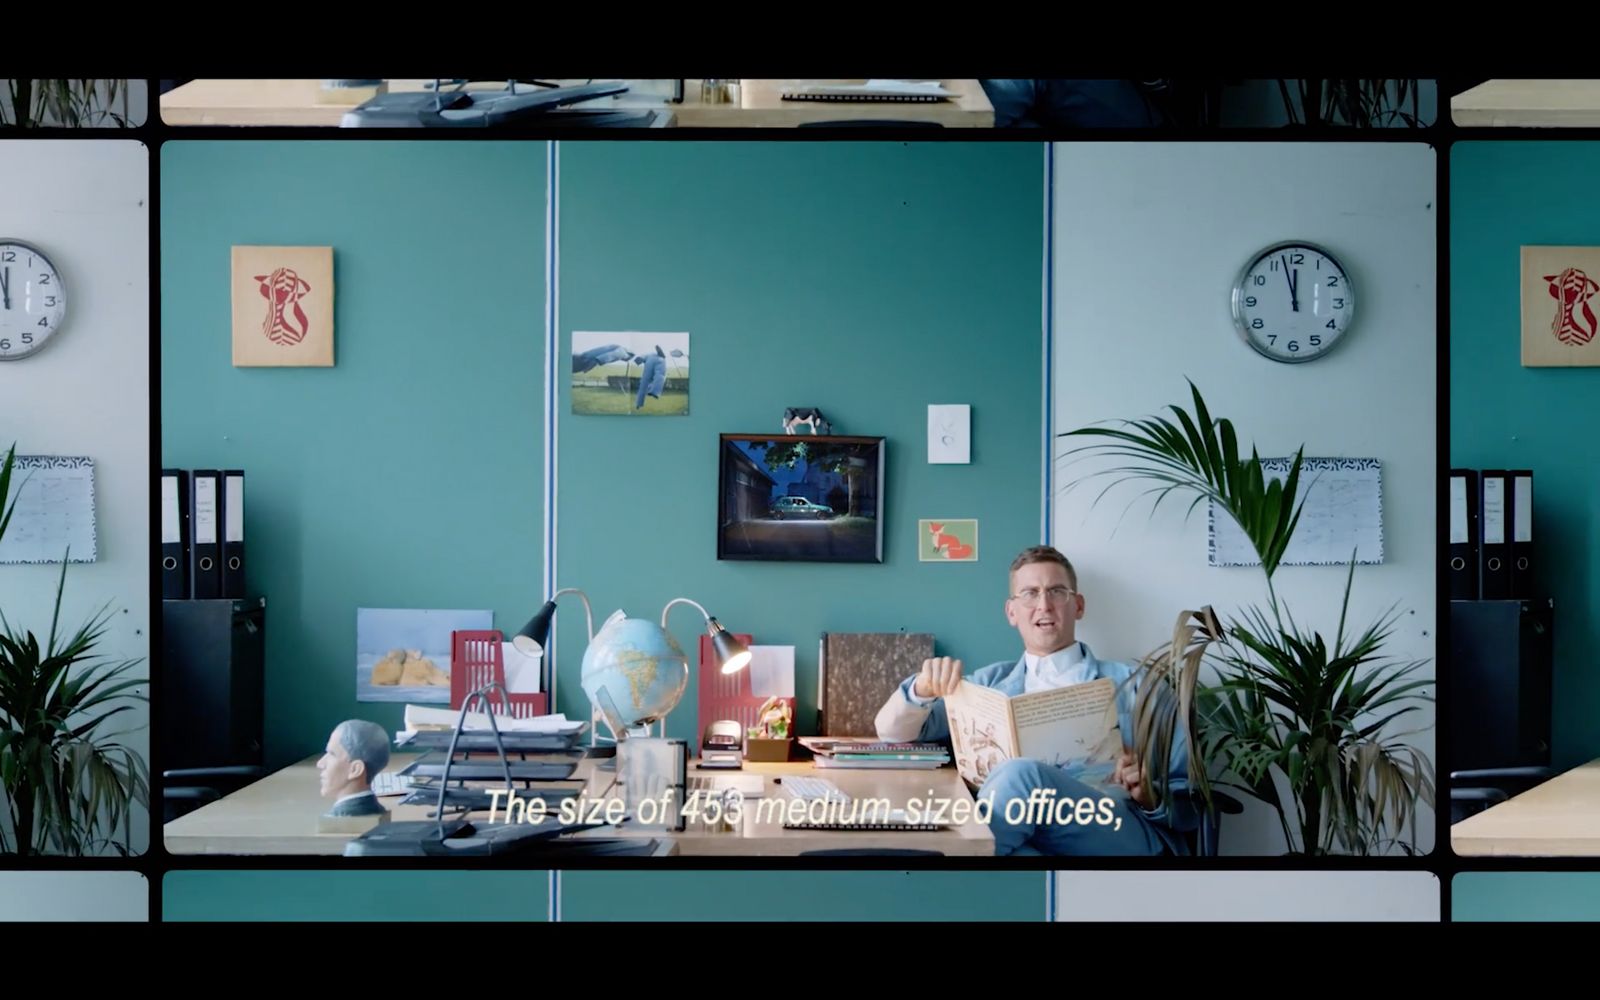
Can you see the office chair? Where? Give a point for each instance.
(1472, 792)
(1203, 839)
(185, 790)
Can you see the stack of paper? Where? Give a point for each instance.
(866, 752)
(420, 718)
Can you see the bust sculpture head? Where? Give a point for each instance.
(357, 750)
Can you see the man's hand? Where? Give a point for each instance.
(939, 677)
(1130, 775)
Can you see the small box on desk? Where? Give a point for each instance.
(767, 751)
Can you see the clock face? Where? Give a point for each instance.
(33, 300)
(1293, 302)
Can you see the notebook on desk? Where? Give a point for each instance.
(874, 91)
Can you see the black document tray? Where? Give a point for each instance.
(490, 769)
(482, 799)
(457, 838)
(483, 742)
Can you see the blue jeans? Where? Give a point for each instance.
(1040, 809)
(1069, 104)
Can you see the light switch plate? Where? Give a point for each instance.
(949, 434)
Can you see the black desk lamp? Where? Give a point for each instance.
(731, 653)
(531, 639)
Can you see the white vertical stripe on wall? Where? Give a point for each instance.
(1094, 897)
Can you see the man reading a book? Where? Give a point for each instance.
(1045, 606)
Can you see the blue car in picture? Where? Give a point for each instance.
(799, 507)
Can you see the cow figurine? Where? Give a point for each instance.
(812, 417)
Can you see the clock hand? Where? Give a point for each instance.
(1294, 301)
(1294, 291)
(5, 286)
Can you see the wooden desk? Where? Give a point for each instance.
(1529, 104)
(1560, 818)
(278, 815)
(761, 105)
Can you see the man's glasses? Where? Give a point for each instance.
(1031, 595)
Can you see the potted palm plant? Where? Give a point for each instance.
(68, 104)
(68, 786)
(1352, 103)
(1294, 720)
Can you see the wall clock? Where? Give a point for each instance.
(1293, 302)
(33, 299)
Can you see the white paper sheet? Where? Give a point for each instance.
(419, 716)
(522, 672)
(772, 671)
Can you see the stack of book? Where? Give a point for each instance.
(866, 752)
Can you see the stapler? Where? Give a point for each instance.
(722, 746)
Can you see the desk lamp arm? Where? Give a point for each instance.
(730, 652)
(588, 613)
(683, 600)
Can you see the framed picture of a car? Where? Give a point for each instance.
(800, 498)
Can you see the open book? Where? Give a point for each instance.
(1068, 725)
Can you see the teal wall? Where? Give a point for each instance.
(599, 895)
(355, 895)
(407, 476)
(800, 895)
(1525, 896)
(866, 279)
(1503, 196)
(869, 279)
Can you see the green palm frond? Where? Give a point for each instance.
(6, 509)
(1199, 455)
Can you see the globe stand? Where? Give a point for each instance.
(653, 775)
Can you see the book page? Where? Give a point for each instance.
(980, 730)
(1073, 724)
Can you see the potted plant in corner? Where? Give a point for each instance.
(67, 786)
(1301, 723)
(1351, 103)
(67, 104)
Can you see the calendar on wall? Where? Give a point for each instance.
(54, 513)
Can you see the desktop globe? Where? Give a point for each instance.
(634, 672)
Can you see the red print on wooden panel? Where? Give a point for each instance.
(1572, 290)
(286, 322)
